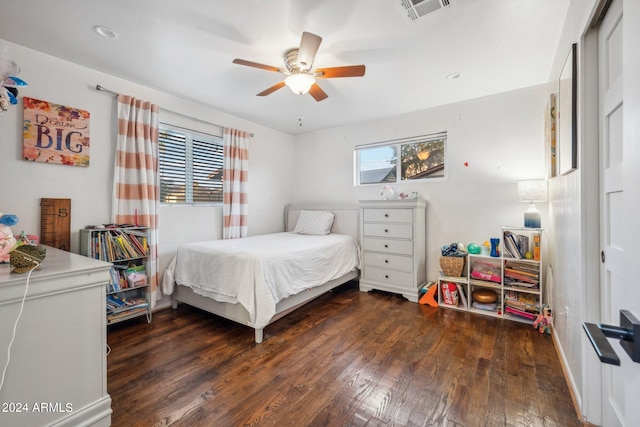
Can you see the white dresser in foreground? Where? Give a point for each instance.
(392, 233)
(57, 373)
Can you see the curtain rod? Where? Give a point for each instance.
(100, 88)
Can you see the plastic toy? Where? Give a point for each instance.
(428, 297)
(495, 247)
(473, 248)
(7, 240)
(486, 248)
(454, 249)
(386, 192)
(544, 320)
(9, 83)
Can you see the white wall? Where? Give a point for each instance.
(501, 137)
(572, 217)
(90, 189)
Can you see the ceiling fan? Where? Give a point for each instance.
(301, 78)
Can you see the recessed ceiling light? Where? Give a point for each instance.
(454, 76)
(105, 32)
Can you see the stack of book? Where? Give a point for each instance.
(521, 275)
(118, 307)
(521, 304)
(486, 306)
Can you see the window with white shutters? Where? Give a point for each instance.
(190, 166)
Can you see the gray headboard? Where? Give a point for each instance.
(346, 221)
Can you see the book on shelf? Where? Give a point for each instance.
(484, 306)
(517, 246)
(521, 285)
(117, 304)
(523, 244)
(138, 268)
(138, 244)
(511, 245)
(536, 246)
(114, 286)
(111, 244)
(522, 301)
(461, 295)
(519, 313)
(124, 314)
(520, 277)
(521, 271)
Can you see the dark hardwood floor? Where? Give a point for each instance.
(346, 359)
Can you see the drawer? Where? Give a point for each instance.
(389, 276)
(388, 215)
(402, 247)
(401, 231)
(395, 262)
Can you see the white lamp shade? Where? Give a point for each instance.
(532, 190)
(300, 83)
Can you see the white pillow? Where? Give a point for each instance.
(314, 222)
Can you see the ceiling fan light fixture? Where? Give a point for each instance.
(300, 83)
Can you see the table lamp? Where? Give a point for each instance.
(532, 191)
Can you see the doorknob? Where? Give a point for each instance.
(628, 333)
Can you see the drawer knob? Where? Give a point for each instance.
(386, 246)
(386, 231)
(386, 215)
(387, 261)
(386, 276)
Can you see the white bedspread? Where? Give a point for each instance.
(259, 271)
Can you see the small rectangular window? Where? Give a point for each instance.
(377, 165)
(190, 166)
(420, 157)
(424, 159)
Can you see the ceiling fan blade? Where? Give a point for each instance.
(272, 89)
(317, 92)
(256, 65)
(309, 44)
(348, 71)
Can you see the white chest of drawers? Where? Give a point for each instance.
(57, 374)
(392, 233)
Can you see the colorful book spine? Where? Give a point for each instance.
(536, 247)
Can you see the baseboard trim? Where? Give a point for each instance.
(573, 390)
(96, 414)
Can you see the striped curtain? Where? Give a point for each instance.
(136, 191)
(235, 183)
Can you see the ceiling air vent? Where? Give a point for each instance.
(415, 9)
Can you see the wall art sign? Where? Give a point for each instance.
(55, 134)
(567, 141)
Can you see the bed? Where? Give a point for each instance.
(259, 279)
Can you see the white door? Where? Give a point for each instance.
(617, 381)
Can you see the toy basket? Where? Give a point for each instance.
(452, 265)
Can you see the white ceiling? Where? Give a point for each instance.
(186, 48)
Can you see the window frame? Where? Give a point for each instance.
(191, 135)
(397, 144)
